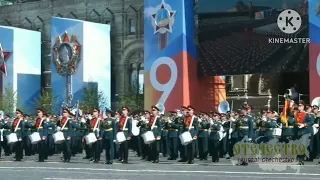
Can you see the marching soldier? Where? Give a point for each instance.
(28, 129)
(164, 136)
(18, 128)
(234, 133)
(269, 125)
(245, 128)
(125, 126)
(84, 129)
(303, 125)
(214, 137)
(143, 124)
(95, 127)
(224, 140)
(204, 125)
(109, 134)
(155, 127)
(51, 130)
(117, 116)
(173, 140)
(66, 127)
(41, 126)
(191, 124)
(6, 131)
(181, 116)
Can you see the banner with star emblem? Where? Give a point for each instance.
(170, 53)
(81, 58)
(20, 66)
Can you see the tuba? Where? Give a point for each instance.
(223, 107)
(161, 108)
(316, 102)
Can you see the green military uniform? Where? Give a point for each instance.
(6, 125)
(18, 128)
(51, 130)
(108, 133)
(268, 128)
(144, 148)
(173, 135)
(84, 130)
(203, 135)
(28, 130)
(164, 138)
(214, 137)
(155, 146)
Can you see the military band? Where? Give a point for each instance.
(212, 133)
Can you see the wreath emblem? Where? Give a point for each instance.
(66, 53)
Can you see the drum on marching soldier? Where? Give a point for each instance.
(17, 134)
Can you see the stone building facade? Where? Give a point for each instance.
(125, 17)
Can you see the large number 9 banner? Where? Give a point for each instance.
(167, 87)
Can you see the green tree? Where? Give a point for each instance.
(132, 98)
(93, 98)
(47, 102)
(8, 100)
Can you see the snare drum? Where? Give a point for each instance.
(90, 138)
(148, 137)
(35, 138)
(120, 137)
(58, 137)
(12, 138)
(185, 138)
(277, 132)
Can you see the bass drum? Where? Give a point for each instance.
(135, 130)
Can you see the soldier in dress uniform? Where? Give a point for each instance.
(181, 117)
(95, 127)
(51, 130)
(124, 125)
(191, 124)
(245, 128)
(155, 126)
(84, 128)
(41, 126)
(234, 133)
(224, 140)
(312, 118)
(203, 135)
(143, 125)
(303, 125)
(164, 136)
(18, 128)
(316, 136)
(66, 127)
(269, 125)
(173, 141)
(6, 131)
(28, 129)
(214, 138)
(117, 116)
(108, 133)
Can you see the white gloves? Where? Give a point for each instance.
(83, 120)
(58, 128)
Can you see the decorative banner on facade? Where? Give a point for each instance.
(66, 54)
